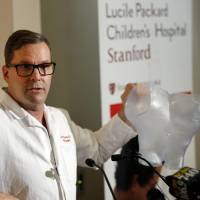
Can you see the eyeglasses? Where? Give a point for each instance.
(25, 70)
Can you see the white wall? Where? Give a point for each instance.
(26, 15)
(14, 15)
(5, 28)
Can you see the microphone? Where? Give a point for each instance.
(184, 184)
(91, 163)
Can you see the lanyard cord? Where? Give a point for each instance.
(55, 172)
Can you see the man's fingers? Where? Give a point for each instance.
(127, 90)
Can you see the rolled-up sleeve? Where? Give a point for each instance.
(101, 144)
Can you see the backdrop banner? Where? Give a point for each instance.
(143, 41)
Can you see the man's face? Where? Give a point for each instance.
(30, 92)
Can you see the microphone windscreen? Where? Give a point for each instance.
(89, 162)
(184, 184)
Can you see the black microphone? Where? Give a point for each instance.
(91, 163)
(184, 184)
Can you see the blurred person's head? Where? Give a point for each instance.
(135, 181)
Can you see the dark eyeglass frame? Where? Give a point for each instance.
(38, 66)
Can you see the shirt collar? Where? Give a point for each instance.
(11, 105)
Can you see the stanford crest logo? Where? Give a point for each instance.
(112, 88)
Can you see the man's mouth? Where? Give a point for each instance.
(36, 89)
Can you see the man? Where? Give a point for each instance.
(40, 145)
(135, 181)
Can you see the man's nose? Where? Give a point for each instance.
(36, 74)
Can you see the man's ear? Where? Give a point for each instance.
(5, 72)
(152, 182)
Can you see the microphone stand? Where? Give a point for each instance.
(91, 163)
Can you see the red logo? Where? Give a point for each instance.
(112, 88)
(115, 108)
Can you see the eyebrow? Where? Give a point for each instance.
(28, 62)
